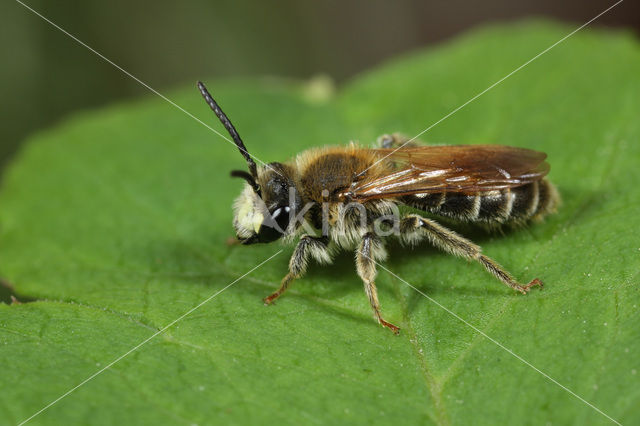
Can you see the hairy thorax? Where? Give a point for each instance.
(325, 172)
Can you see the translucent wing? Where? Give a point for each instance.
(453, 168)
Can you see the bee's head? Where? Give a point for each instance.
(267, 204)
(265, 211)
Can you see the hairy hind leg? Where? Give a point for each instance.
(395, 140)
(414, 228)
(369, 251)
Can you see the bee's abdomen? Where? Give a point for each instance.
(511, 205)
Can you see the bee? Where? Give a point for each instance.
(349, 198)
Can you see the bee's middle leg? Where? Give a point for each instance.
(316, 247)
(370, 250)
(413, 228)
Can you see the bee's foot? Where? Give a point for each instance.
(396, 330)
(271, 298)
(232, 241)
(524, 289)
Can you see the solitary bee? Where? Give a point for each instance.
(336, 198)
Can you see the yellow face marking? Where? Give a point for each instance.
(245, 210)
(257, 221)
(247, 214)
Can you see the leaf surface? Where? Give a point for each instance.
(115, 223)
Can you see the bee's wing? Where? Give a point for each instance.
(454, 168)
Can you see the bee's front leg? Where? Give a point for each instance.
(370, 251)
(316, 247)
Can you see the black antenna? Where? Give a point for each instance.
(227, 125)
(246, 176)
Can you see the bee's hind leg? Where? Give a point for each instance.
(370, 251)
(316, 247)
(414, 228)
(395, 140)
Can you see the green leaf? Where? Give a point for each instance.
(114, 224)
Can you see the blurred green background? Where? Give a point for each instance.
(46, 75)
